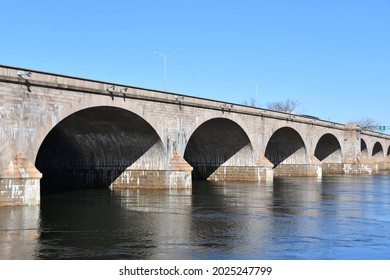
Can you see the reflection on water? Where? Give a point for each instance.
(19, 232)
(336, 217)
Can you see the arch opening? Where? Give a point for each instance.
(286, 146)
(92, 147)
(328, 149)
(215, 143)
(377, 152)
(363, 148)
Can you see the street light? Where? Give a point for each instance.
(315, 99)
(165, 66)
(257, 89)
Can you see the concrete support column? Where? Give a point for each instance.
(20, 183)
(179, 173)
(265, 170)
(298, 170)
(386, 164)
(235, 173)
(261, 171)
(362, 165)
(176, 176)
(356, 162)
(332, 168)
(313, 168)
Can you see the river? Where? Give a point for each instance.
(334, 217)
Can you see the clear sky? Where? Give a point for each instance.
(332, 56)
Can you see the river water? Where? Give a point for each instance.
(335, 217)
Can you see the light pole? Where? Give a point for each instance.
(165, 66)
(315, 99)
(257, 90)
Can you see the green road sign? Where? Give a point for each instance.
(382, 127)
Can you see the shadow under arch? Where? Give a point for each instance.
(92, 147)
(377, 152)
(214, 143)
(328, 149)
(363, 148)
(388, 152)
(286, 146)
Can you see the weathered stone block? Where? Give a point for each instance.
(298, 170)
(178, 176)
(360, 168)
(153, 179)
(333, 168)
(19, 182)
(235, 173)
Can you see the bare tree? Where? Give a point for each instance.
(287, 106)
(251, 102)
(367, 123)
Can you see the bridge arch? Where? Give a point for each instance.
(363, 148)
(377, 152)
(92, 147)
(328, 149)
(329, 152)
(30, 130)
(286, 147)
(215, 143)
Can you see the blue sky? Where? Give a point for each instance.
(332, 56)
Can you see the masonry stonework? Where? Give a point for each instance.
(75, 132)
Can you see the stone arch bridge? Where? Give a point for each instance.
(59, 132)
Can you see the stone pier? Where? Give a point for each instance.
(20, 182)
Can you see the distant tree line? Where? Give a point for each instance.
(287, 106)
(367, 123)
(290, 105)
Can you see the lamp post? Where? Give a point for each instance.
(165, 66)
(257, 90)
(315, 99)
